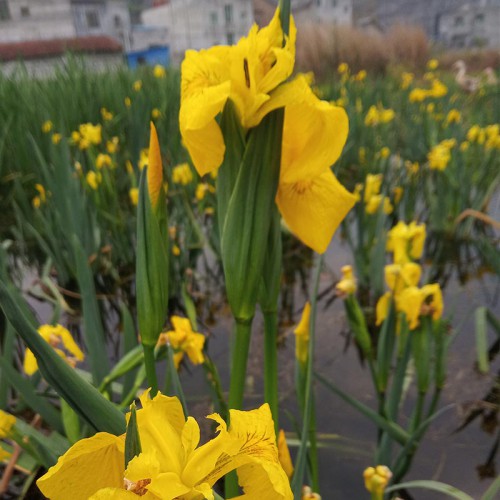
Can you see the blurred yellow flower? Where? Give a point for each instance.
(103, 160)
(347, 285)
(377, 115)
(453, 116)
(360, 76)
(106, 115)
(373, 183)
(398, 194)
(176, 251)
(159, 71)
(93, 179)
(112, 145)
(343, 68)
(302, 335)
(40, 198)
(185, 341)
(55, 335)
(171, 464)
(182, 174)
(432, 64)
(384, 152)
(438, 89)
(137, 85)
(75, 137)
(133, 194)
(47, 126)
(440, 155)
(89, 134)
(128, 102)
(56, 138)
(155, 113)
(406, 241)
(412, 167)
(143, 158)
(202, 189)
(7, 421)
(418, 95)
(406, 79)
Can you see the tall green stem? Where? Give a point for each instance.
(150, 365)
(271, 364)
(239, 358)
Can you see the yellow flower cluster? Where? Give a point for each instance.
(87, 135)
(172, 464)
(55, 335)
(488, 136)
(440, 155)
(377, 115)
(438, 89)
(403, 276)
(377, 479)
(372, 197)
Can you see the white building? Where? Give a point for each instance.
(26, 20)
(309, 11)
(474, 24)
(198, 24)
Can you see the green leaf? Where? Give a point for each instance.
(491, 492)
(100, 413)
(246, 227)
(71, 422)
(451, 491)
(26, 390)
(132, 439)
(481, 340)
(95, 340)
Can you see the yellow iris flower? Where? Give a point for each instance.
(376, 480)
(406, 241)
(172, 465)
(302, 335)
(347, 285)
(246, 73)
(183, 339)
(55, 336)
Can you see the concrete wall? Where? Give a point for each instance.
(44, 19)
(471, 26)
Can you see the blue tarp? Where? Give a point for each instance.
(151, 56)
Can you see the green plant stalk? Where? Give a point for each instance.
(239, 358)
(213, 380)
(150, 365)
(308, 413)
(271, 364)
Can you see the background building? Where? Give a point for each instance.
(195, 24)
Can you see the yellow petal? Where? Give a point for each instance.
(433, 292)
(314, 209)
(410, 301)
(382, 308)
(190, 437)
(143, 466)
(169, 485)
(30, 364)
(7, 421)
(161, 421)
(284, 454)
(155, 169)
(116, 494)
(99, 460)
(314, 135)
(69, 342)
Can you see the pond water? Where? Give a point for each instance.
(349, 444)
